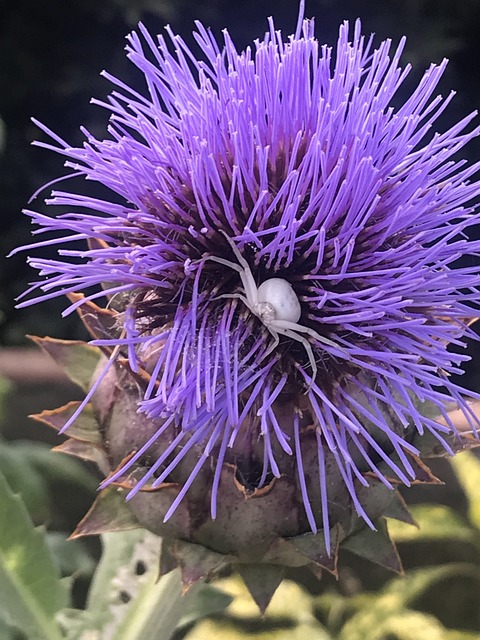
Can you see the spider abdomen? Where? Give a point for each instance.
(276, 296)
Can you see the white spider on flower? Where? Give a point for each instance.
(275, 303)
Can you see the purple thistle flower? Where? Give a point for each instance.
(280, 236)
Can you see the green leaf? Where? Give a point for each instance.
(26, 481)
(333, 609)
(126, 601)
(467, 469)
(407, 625)
(435, 522)
(399, 593)
(7, 632)
(71, 556)
(53, 467)
(118, 550)
(30, 589)
(156, 609)
(225, 630)
(209, 601)
(5, 388)
(74, 623)
(379, 615)
(105, 596)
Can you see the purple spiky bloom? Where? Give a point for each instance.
(292, 156)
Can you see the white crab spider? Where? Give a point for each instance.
(275, 303)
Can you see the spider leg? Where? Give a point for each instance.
(248, 281)
(237, 296)
(241, 260)
(227, 263)
(280, 325)
(274, 344)
(306, 345)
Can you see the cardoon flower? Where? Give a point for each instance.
(278, 262)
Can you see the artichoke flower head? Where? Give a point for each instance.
(271, 360)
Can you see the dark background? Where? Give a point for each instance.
(51, 53)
